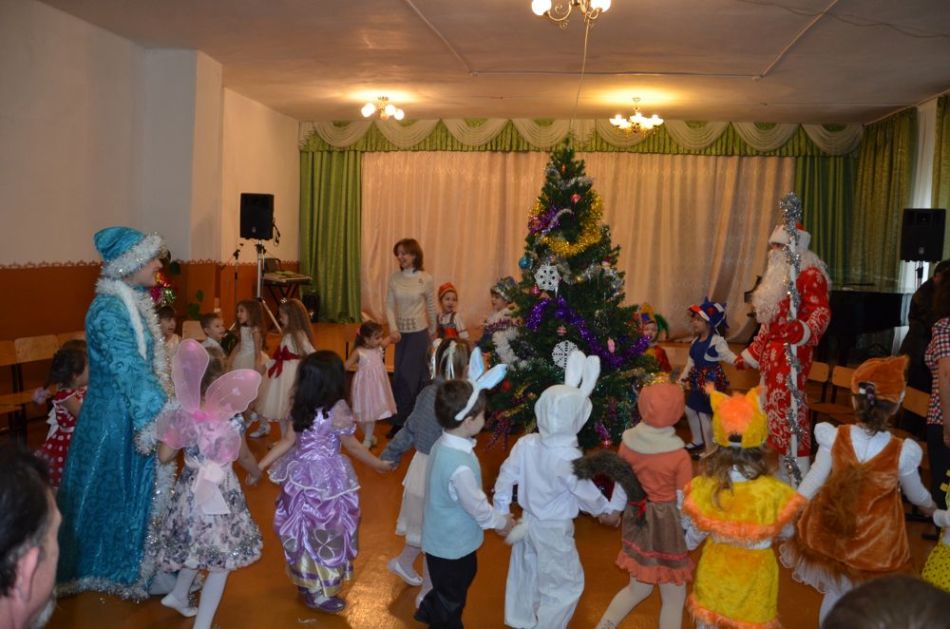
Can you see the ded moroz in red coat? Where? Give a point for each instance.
(767, 352)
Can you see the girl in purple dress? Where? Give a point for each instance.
(318, 509)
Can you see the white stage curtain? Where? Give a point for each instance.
(687, 226)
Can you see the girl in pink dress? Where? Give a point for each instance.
(372, 394)
(70, 372)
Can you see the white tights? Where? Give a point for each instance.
(672, 598)
(210, 594)
(828, 602)
(700, 427)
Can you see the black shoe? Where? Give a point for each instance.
(695, 450)
(913, 516)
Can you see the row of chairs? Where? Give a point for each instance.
(16, 354)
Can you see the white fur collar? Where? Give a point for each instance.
(140, 308)
(646, 439)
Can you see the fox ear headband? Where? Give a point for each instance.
(480, 380)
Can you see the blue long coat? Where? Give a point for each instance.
(106, 496)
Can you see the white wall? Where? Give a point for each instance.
(97, 131)
(260, 154)
(69, 100)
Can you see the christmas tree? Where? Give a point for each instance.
(571, 296)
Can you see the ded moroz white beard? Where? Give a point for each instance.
(773, 287)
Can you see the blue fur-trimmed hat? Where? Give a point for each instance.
(713, 312)
(125, 250)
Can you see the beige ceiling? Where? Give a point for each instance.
(740, 60)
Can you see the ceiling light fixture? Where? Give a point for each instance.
(383, 109)
(636, 122)
(559, 10)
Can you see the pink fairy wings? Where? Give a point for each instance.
(206, 424)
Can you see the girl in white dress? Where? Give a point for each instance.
(274, 402)
(249, 351)
(372, 394)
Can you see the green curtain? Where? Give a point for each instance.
(941, 174)
(330, 230)
(882, 190)
(826, 187)
(510, 140)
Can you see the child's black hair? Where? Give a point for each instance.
(319, 385)
(165, 313)
(68, 362)
(367, 331)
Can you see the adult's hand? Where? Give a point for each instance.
(395, 336)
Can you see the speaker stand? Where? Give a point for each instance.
(259, 295)
(919, 271)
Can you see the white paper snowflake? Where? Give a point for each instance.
(547, 277)
(561, 351)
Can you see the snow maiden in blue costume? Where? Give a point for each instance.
(113, 486)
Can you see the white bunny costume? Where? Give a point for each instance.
(545, 577)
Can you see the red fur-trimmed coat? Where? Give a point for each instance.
(767, 352)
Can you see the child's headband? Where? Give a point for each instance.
(480, 380)
(447, 357)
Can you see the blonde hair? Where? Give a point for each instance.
(750, 462)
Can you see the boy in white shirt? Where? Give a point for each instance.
(456, 508)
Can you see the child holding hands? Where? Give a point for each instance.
(545, 577)
(207, 526)
(318, 510)
(456, 509)
(654, 549)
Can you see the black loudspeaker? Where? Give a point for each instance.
(922, 235)
(257, 216)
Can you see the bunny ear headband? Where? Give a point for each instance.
(480, 379)
(582, 372)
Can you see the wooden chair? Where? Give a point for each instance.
(25, 350)
(916, 401)
(839, 412)
(816, 385)
(192, 330)
(9, 401)
(70, 336)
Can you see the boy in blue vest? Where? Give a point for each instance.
(456, 508)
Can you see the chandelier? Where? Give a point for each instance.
(559, 10)
(382, 108)
(636, 122)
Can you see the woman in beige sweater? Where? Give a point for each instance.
(410, 311)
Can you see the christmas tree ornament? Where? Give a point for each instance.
(524, 263)
(547, 277)
(561, 330)
(561, 351)
(535, 291)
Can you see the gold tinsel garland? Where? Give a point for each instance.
(589, 236)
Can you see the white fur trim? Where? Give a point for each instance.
(749, 360)
(139, 307)
(806, 333)
(780, 237)
(135, 258)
